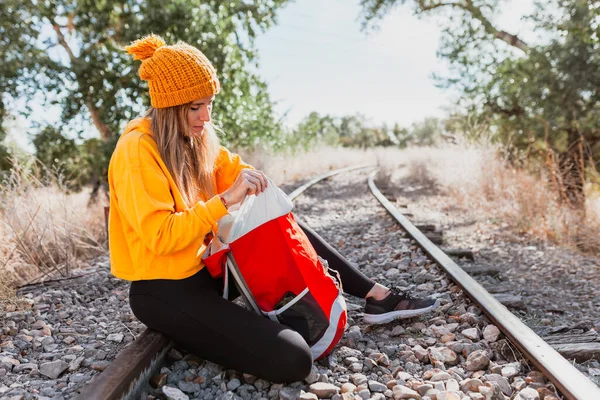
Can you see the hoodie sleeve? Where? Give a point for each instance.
(228, 167)
(145, 199)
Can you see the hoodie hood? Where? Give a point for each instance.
(139, 124)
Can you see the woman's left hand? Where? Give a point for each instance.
(248, 182)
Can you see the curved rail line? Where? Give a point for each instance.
(565, 376)
(121, 378)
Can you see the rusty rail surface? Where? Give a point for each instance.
(561, 373)
(116, 380)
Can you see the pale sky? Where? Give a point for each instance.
(317, 59)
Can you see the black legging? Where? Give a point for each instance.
(193, 313)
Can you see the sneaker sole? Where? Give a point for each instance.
(390, 316)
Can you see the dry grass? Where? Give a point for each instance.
(477, 180)
(287, 168)
(45, 232)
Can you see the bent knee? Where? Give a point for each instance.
(293, 360)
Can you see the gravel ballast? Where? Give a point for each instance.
(73, 331)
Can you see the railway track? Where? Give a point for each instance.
(132, 368)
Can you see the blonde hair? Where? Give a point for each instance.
(190, 160)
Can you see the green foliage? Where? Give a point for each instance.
(353, 131)
(70, 53)
(427, 132)
(314, 129)
(77, 164)
(348, 131)
(5, 155)
(58, 152)
(402, 135)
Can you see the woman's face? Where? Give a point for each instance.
(199, 114)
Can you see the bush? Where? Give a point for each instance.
(45, 231)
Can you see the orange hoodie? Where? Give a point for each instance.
(152, 235)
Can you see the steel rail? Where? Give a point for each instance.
(562, 374)
(298, 191)
(116, 380)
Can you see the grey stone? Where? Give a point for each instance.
(377, 387)
(356, 367)
(440, 376)
(39, 324)
(432, 393)
(24, 367)
(48, 392)
(233, 384)
(115, 337)
(99, 365)
(491, 333)
(313, 376)
(501, 381)
(53, 369)
(397, 331)
(173, 393)
(422, 389)
(50, 347)
(261, 384)
(76, 363)
(452, 385)
(344, 352)
(511, 370)
(491, 392)
(79, 378)
(188, 387)
(477, 360)
(471, 333)
(358, 379)
(308, 396)
(324, 390)
(173, 354)
(447, 395)
(289, 393)
(471, 385)
(402, 392)
(228, 396)
(527, 394)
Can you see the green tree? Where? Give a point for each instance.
(542, 97)
(315, 129)
(59, 154)
(350, 129)
(402, 135)
(427, 132)
(70, 53)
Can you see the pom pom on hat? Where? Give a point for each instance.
(145, 47)
(176, 74)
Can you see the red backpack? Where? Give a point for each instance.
(277, 271)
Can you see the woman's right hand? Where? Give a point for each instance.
(248, 181)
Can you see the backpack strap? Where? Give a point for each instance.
(233, 268)
(225, 281)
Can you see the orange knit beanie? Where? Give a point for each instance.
(176, 74)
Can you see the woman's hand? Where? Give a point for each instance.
(248, 181)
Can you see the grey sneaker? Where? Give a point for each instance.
(397, 305)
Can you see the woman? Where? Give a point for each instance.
(170, 182)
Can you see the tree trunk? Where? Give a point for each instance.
(571, 167)
(105, 133)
